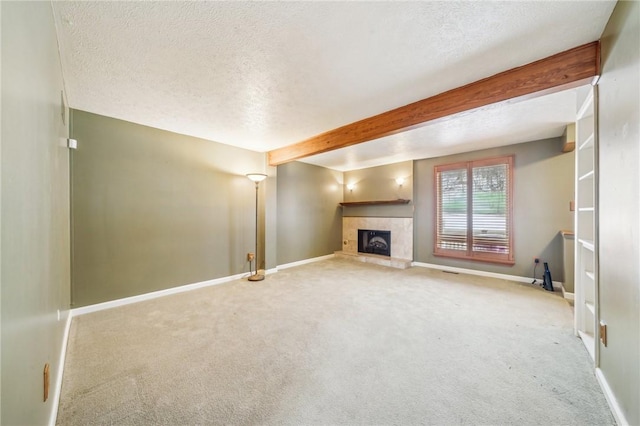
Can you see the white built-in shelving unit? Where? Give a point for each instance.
(586, 220)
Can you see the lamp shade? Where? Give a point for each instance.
(257, 177)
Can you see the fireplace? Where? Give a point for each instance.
(374, 242)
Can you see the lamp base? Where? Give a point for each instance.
(256, 277)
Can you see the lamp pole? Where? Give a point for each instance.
(257, 178)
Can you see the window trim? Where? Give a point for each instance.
(469, 254)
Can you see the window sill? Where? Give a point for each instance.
(477, 258)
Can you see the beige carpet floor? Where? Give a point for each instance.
(335, 343)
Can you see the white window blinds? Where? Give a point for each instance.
(474, 210)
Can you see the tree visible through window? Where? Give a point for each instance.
(474, 210)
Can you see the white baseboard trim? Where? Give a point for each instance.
(567, 295)
(616, 410)
(154, 295)
(305, 261)
(556, 285)
(58, 383)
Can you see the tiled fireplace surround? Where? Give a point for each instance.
(401, 239)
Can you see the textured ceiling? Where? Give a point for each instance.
(262, 75)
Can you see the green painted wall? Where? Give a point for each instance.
(35, 212)
(270, 228)
(543, 187)
(379, 184)
(619, 219)
(309, 217)
(154, 209)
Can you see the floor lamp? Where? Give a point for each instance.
(257, 178)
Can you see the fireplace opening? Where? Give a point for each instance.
(374, 242)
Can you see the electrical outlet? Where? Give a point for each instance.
(603, 333)
(63, 108)
(250, 257)
(536, 260)
(46, 382)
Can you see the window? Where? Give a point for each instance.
(474, 210)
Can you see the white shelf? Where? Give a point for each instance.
(588, 244)
(587, 144)
(586, 255)
(588, 103)
(589, 343)
(587, 175)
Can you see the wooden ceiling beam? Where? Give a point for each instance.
(572, 68)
